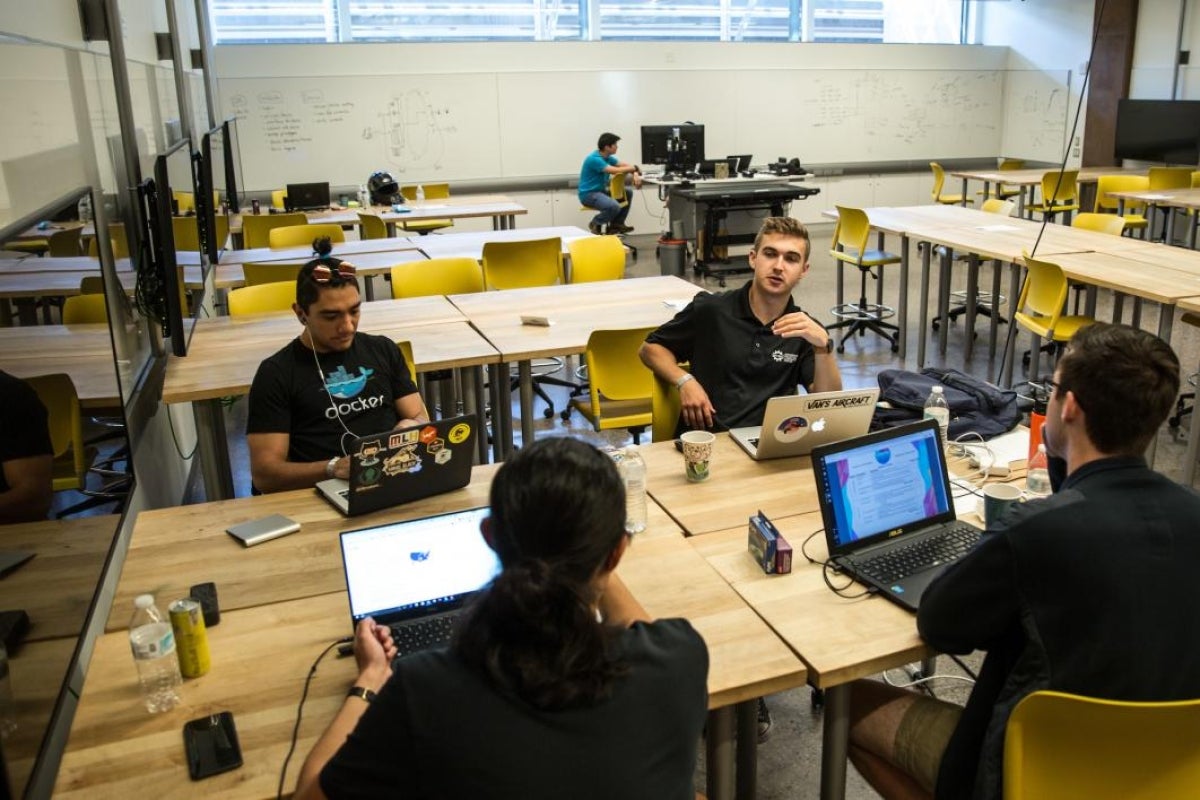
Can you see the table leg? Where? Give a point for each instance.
(972, 294)
(1194, 221)
(994, 325)
(902, 306)
(370, 286)
(747, 750)
(6, 315)
(501, 411)
(525, 389)
(1170, 212)
(923, 320)
(946, 261)
(213, 449)
(718, 755)
(1010, 342)
(835, 742)
(1166, 320)
(1021, 202)
(964, 193)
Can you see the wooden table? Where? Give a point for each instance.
(368, 265)
(82, 351)
(346, 250)
(225, 353)
(576, 310)
(470, 245)
(1029, 179)
(1188, 199)
(291, 591)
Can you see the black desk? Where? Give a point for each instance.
(716, 201)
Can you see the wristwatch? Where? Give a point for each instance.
(330, 466)
(363, 692)
(828, 348)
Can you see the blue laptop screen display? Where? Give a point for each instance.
(885, 486)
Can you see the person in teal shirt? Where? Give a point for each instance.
(594, 177)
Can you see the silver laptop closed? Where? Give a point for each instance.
(794, 424)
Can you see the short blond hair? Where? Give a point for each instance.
(784, 226)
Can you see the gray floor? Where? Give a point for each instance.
(789, 762)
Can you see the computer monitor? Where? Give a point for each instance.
(173, 171)
(307, 197)
(743, 163)
(708, 167)
(676, 147)
(214, 196)
(233, 168)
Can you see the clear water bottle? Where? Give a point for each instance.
(85, 208)
(936, 408)
(420, 193)
(153, 643)
(633, 473)
(1037, 474)
(364, 197)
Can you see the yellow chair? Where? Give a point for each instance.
(1004, 191)
(263, 298)
(279, 199)
(71, 454)
(187, 234)
(36, 246)
(619, 192)
(521, 264)
(256, 228)
(371, 226)
(1101, 223)
(116, 235)
(620, 386)
(432, 191)
(1059, 745)
(65, 243)
(258, 273)
(1039, 309)
(1196, 179)
(939, 181)
(92, 284)
(995, 205)
(437, 276)
(1060, 194)
(304, 235)
(1167, 178)
(665, 408)
(851, 245)
(85, 308)
(596, 258)
(984, 305)
(184, 202)
(1135, 211)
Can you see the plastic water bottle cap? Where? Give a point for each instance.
(143, 601)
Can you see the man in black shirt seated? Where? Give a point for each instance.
(26, 454)
(1091, 591)
(327, 386)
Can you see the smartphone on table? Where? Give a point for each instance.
(211, 745)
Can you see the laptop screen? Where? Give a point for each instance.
(307, 196)
(883, 484)
(417, 567)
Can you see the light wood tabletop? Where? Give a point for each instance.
(82, 351)
(470, 245)
(346, 250)
(231, 275)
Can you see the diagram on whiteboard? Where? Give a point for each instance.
(413, 131)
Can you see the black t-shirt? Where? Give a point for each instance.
(24, 425)
(289, 396)
(737, 359)
(439, 730)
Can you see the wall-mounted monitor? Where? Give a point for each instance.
(1159, 130)
(160, 278)
(214, 192)
(233, 167)
(677, 147)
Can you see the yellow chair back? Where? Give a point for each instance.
(373, 226)
(256, 228)
(1196, 179)
(1102, 223)
(436, 191)
(1161, 178)
(116, 235)
(620, 386)
(406, 350)
(432, 191)
(263, 298)
(279, 199)
(437, 276)
(617, 190)
(596, 258)
(665, 405)
(187, 233)
(184, 202)
(994, 205)
(853, 229)
(85, 308)
(939, 180)
(1060, 188)
(304, 235)
(1120, 183)
(1066, 745)
(65, 243)
(58, 395)
(258, 273)
(1039, 308)
(520, 264)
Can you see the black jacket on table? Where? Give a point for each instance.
(1092, 591)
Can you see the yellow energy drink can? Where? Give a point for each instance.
(191, 639)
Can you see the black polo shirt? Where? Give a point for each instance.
(736, 358)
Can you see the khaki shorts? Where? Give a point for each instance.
(922, 736)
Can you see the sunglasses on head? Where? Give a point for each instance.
(323, 273)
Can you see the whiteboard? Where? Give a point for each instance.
(1037, 106)
(487, 125)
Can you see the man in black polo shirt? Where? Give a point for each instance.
(747, 345)
(26, 453)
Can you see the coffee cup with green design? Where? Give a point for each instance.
(697, 452)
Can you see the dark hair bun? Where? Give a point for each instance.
(322, 246)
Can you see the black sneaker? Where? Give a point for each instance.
(596, 228)
(620, 229)
(764, 721)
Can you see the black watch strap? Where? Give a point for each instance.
(363, 692)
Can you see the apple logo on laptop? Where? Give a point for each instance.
(818, 425)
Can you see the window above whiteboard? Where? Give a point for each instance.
(861, 21)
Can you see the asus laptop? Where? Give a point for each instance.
(397, 466)
(888, 513)
(307, 196)
(416, 576)
(794, 424)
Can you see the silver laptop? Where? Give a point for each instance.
(794, 424)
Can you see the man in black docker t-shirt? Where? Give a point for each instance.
(325, 387)
(26, 453)
(748, 345)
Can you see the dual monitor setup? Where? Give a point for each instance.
(680, 150)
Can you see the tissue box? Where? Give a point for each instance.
(770, 550)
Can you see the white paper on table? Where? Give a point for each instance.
(997, 228)
(677, 303)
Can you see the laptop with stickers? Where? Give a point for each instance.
(794, 424)
(398, 466)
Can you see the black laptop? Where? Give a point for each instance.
(416, 576)
(307, 197)
(397, 466)
(888, 512)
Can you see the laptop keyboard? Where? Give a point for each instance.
(411, 637)
(901, 561)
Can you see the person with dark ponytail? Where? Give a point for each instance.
(557, 684)
(328, 385)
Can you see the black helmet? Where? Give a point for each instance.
(383, 189)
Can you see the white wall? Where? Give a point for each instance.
(1153, 76)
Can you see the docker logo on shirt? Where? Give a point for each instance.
(341, 385)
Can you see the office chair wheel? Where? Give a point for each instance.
(895, 347)
(841, 348)
(548, 413)
(565, 414)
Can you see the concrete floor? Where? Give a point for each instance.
(789, 762)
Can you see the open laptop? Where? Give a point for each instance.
(794, 424)
(307, 196)
(888, 513)
(417, 575)
(397, 466)
(742, 163)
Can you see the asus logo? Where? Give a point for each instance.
(895, 532)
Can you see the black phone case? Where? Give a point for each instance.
(210, 745)
(206, 595)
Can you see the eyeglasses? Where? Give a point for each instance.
(323, 274)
